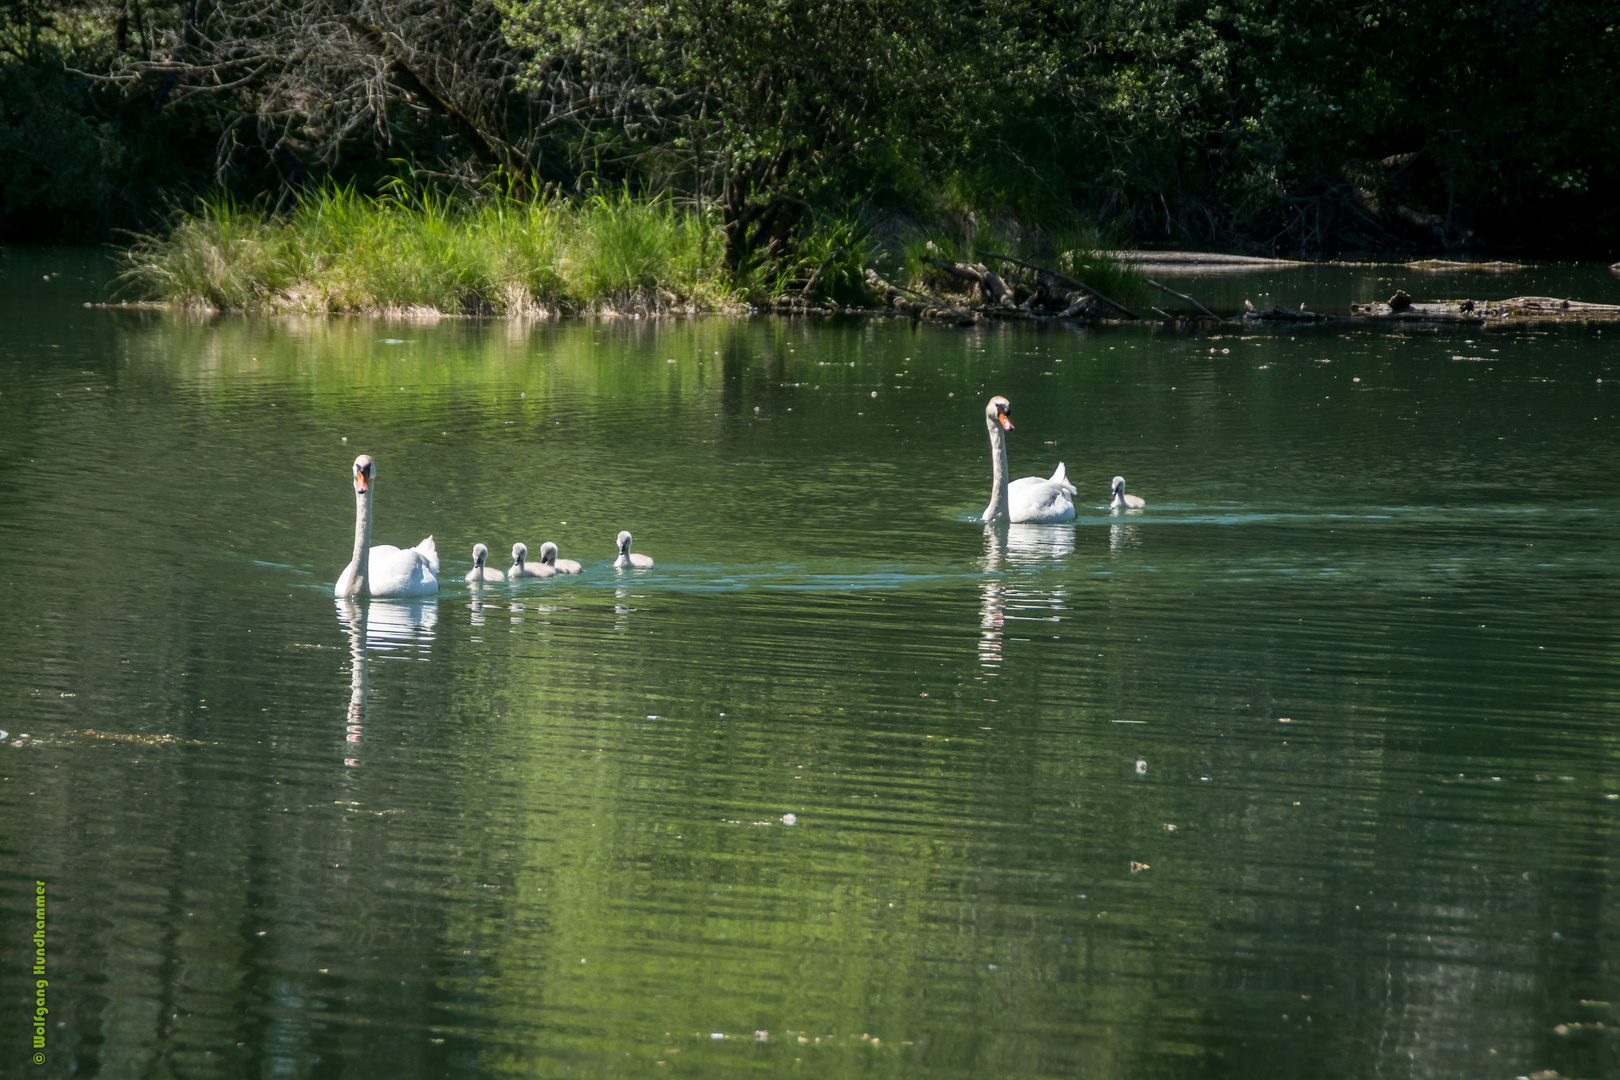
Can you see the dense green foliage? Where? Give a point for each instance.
(759, 107)
(1296, 125)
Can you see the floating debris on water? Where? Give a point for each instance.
(137, 739)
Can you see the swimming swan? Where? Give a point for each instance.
(383, 570)
(1030, 498)
(548, 557)
(637, 562)
(480, 572)
(1123, 501)
(521, 566)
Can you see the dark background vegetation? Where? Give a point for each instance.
(1313, 126)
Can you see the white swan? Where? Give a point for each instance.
(1031, 498)
(383, 570)
(521, 566)
(638, 562)
(1123, 501)
(548, 557)
(480, 572)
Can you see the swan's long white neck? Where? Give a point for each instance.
(354, 581)
(998, 470)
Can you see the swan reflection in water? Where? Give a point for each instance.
(1033, 543)
(1017, 599)
(401, 629)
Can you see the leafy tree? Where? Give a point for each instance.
(754, 104)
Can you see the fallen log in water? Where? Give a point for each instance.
(1280, 314)
(1204, 260)
(1451, 265)
(1519, 310)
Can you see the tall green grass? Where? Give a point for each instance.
(224, 255)
(416, 252)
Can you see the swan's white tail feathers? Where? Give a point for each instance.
(430, 551)
(1060, 476)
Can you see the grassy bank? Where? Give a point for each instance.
(413, 253)
(337, 251)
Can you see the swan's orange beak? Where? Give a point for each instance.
(1006, 424)
(361, 482)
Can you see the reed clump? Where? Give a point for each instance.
(417, 253)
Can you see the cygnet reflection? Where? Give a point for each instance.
(621, 609)
(1122, 536)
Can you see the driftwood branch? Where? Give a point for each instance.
(1282, 314)
(936, 301)
(998, 300)
(1063, 278)
(989, 283)
(895, 296)
(955, 270)
(1183, 296)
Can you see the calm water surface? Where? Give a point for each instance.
(1310, 769)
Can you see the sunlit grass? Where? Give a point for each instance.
(416, 252)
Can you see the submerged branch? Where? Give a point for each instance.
(1183, 296)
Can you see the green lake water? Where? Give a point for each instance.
(1310, 769)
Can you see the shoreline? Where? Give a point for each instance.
(1486, 314)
